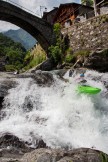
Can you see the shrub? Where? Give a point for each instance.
(69, 51)
(69, 55)
(35, 61)
(27, 58)
(10, 68)
(82, 53)
(104, 157)
(57, 29)
(56, 51)
(14, 53)
(69, 58)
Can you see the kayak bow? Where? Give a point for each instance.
(88, 89)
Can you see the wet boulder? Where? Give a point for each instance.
(43, 78)
(97, 60)
(5, 85)
(47, 65)
(59, 155)
(7, 140)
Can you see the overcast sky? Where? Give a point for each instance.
(34, 5)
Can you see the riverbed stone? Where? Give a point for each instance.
(5, 85)
(58, 155)
(98, 60)
(9, 141)
(43, 78)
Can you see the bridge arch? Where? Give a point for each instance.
(41, 30)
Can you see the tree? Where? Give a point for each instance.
(87, 2)
(95, 7)
(91, 3)
(56, 51)
(13, 52)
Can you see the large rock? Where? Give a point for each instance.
(44, 66)
(54, 155)
(43, 78)
(47, 65)
(5, 85)
(97, 61)
(11, 141)
(12, 148)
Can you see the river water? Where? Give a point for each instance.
(58, 114)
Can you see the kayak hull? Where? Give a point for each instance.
(88, 90)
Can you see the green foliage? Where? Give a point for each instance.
(10, 67)
(56, 51)
(27, 58)
(69, 58)
(15, 57)
(57, 29)
(82, 53)
(104, 157)
(37, 60)
(87, 2)
(14, 53)
(69, 55)
(33, 61)
(69, 51)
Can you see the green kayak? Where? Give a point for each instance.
(88, 89)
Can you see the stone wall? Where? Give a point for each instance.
(104, 10)
(90, 35)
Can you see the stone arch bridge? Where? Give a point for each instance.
(37, 27)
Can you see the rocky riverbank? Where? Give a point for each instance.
(57, 155)
(94, 60)
(53, 155)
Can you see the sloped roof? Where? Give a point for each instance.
(75, 4)
(70, 4)
(47, 13)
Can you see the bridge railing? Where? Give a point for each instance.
(21, 7)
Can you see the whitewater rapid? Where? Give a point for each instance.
(58, 114)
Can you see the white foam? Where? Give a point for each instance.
(59, 115)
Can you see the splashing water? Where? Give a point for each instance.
(58, 114)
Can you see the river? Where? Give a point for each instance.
(58, 114)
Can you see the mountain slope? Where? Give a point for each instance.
(21, 36)
(12, 54)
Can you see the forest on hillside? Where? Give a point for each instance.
(14, 53)
(13, 56)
